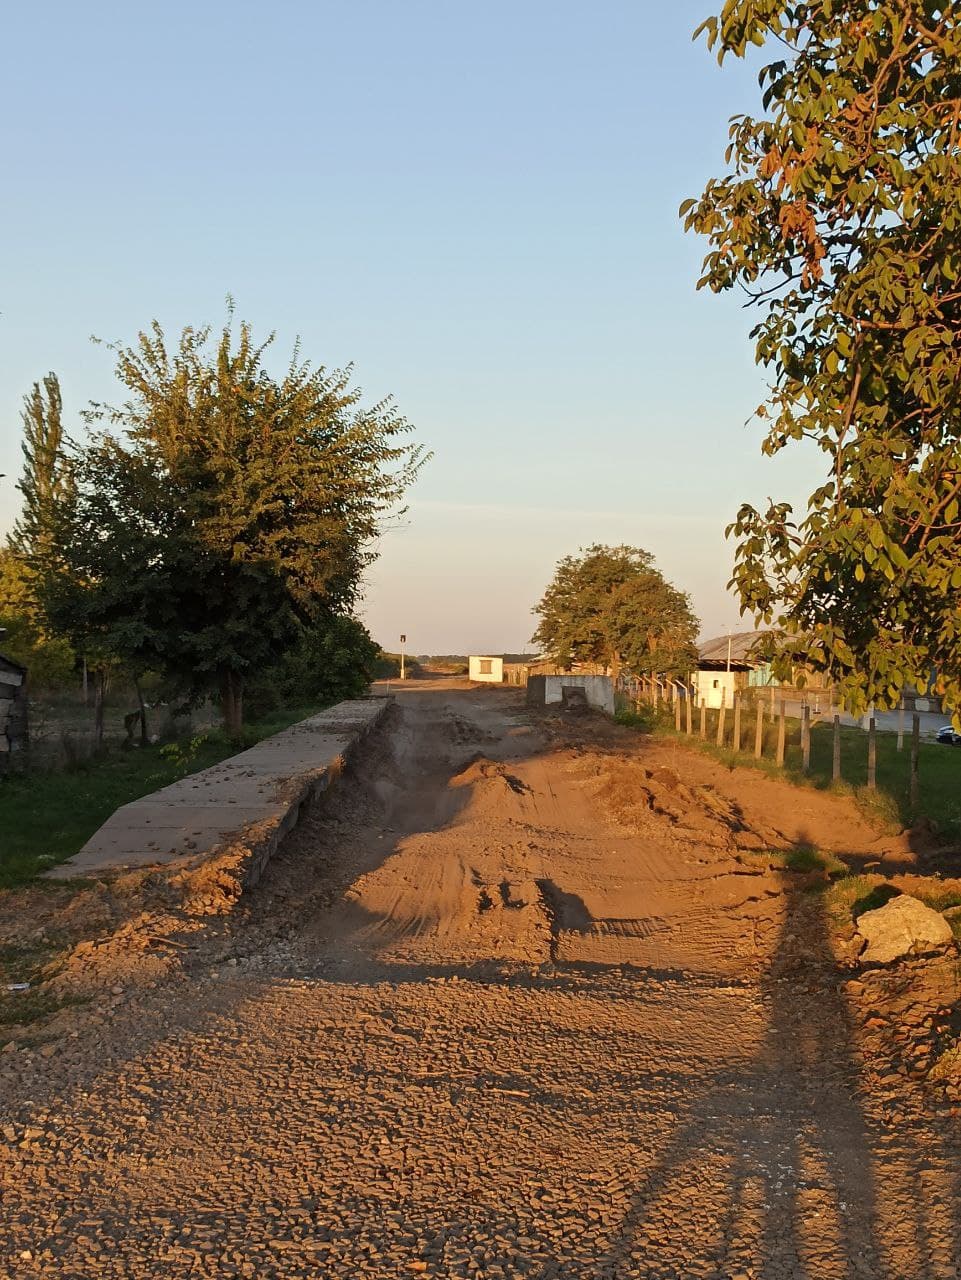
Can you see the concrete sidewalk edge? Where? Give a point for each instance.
(247, 802)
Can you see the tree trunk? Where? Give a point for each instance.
(144, 737)
(232, 690)
(99, 691)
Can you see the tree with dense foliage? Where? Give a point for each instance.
(27, 637)
(841, 219)
(572, 624)
(611, 606)
(44, 477)
(651, 627)
(334, 658)
(232, 511)
(23, 637)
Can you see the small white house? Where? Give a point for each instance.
(490, 670)
(713, 687)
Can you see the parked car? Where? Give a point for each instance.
(948, 736)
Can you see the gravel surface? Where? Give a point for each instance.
(519, 1000)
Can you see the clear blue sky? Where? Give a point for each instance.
(476, 204)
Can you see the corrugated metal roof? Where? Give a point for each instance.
(743, 645)
(8, 664)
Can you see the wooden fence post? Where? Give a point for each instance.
(759, 730)
(872, 756)
(915, 761)
(806, 738)
(720, 718)
(736, 744)
(688, 692)
(703, 719)
(781, 734)
(836, 762)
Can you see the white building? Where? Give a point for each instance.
(488, 669)
(711, 687)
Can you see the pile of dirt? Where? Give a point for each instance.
(908, 1008)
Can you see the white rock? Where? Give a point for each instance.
(901, 926)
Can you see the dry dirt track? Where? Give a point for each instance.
(511, 1005)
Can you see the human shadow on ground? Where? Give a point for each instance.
(372, 775)
(786, 1153)
(779, 1157)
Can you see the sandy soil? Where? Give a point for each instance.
(526, 997)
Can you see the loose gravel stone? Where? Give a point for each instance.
(509, 1006)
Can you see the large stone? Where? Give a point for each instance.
(901, 926)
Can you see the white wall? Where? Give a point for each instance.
(710, 684)
(494, 676)
(598, 690)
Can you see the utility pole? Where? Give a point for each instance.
(403, 641)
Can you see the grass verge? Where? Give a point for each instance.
(888, 805)
(46, 817)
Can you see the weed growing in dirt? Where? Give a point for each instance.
(28, 965)
(802, 860)
(938, 896)
(183, 754)
(948, 1065)
(846, 897)
(22, 963)
(644, 718)
(880, 807)
(809, 859)
(21, 1008)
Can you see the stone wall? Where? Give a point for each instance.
(545, 691)
(13, 713)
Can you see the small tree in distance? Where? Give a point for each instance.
(611, 606)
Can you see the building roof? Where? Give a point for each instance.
(743, 650)
(8, 664)
(515, 659)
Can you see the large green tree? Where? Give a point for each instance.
(219, 511)
(651, 627)
(840, 217)
(44, 476)
(611, 606)
(23, 637)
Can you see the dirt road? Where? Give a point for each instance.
(519, 1000)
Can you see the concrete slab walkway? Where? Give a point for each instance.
(253, 796)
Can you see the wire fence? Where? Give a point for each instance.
(760, 726)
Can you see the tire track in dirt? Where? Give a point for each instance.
(507, 1005)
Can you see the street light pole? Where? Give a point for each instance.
(403, 641)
